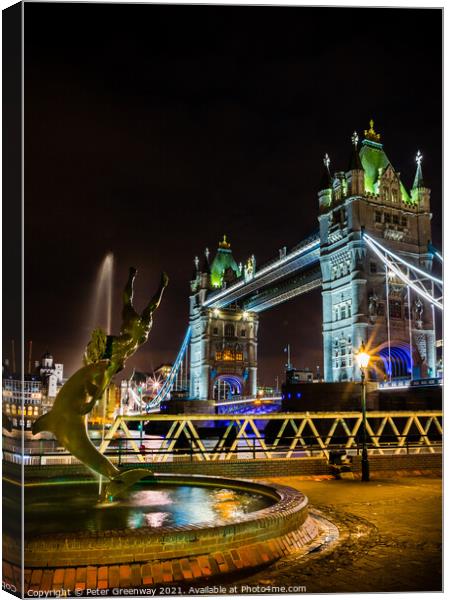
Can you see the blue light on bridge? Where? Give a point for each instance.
(397, 361)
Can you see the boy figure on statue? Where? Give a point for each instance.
(134, 330)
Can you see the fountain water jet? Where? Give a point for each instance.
(103, 295)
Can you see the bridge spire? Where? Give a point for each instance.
(224, 243)
(205, 268)
(370, 134)
(326, 179)
(196, 262)
(419, 179)
(356, 163)
(420, 192)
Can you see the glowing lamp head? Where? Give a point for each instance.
(362, 357)
(216, 312)
(245, 315)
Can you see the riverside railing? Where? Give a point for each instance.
(163, 438)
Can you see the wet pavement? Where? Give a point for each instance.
(390, 538)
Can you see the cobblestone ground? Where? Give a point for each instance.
(390, 538)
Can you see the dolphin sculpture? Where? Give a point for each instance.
(105, 356)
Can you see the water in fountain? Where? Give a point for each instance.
(73, 507)
(102, 306)
(102, 315)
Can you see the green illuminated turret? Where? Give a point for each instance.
(375, 162)
(223, 267)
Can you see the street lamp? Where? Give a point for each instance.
(363, 360)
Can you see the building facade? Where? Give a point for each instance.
(361, 301)
(24, 401)
(223, 347)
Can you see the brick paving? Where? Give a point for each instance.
(81, 581)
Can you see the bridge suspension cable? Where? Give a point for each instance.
(171, 382)
(390, 260)
(401, 260)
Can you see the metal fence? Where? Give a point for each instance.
(279, 435)
(159, 438)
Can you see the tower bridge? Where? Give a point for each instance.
(260, 289)
(372, 257)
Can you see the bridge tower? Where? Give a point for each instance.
(223, 347)
(361, 302)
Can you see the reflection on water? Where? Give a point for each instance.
(147, 498)
(155, 519)
(57, 509)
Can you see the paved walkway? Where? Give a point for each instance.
(391, 538)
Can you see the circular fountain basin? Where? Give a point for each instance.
(171, 518)
(152, 505)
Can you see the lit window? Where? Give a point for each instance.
(228, 354)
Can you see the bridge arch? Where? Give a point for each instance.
(395, 360)
(226, 386)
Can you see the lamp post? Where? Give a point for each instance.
(363, 360)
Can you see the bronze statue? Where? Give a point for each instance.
(105, 356)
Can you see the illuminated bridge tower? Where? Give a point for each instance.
(223, 347)
(361, 302)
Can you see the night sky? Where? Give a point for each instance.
(150, 131)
